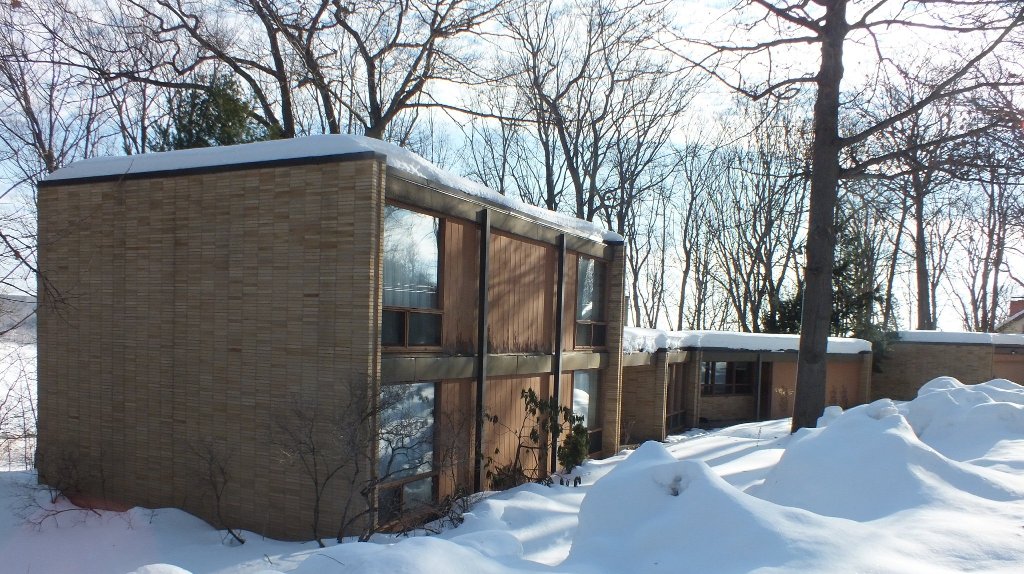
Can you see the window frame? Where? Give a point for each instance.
(405, 312)
(594, 433)
(733, 387)
(589, 325)
(675, 400)
(398, 484)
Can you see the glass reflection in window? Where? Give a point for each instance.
(411, 256)
(405, 443)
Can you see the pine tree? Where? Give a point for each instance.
(213, 116)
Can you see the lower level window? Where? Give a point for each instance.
(586, 403)
(405, 449)
(725, 378)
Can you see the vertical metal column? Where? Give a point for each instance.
(481, 347)
(757, 414)
(559, 322)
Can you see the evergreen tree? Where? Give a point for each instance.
(854, 290)
(213, 116)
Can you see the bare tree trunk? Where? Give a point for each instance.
(924, 314)
(821, 236)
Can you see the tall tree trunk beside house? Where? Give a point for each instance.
(821, 234)
(823, 22)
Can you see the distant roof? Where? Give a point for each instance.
(1011, 319)
(636, 340)
(398, 158)
(961, 337)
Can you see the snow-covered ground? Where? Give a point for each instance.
(932, 485)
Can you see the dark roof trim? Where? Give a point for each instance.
(578, 242)
(294, 161)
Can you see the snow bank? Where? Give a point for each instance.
(962, 338)
(869, 463)
(414, 555)
(636, 340)
(398, 158)
(930, 485)
(654, 513)
(982, 424)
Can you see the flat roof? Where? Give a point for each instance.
(310, 149)
(637, 340)
(960, 338)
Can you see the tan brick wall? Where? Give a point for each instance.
(728, 408)
(644, 392)
(201, 308)
(907, 366)
(611, 376)
(1009, 366)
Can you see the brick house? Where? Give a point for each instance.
(917, 357)
(213, 309)
(1014, 323)
(673, 381)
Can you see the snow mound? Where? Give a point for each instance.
(411, 556)
(160, 569)
(869, 463)
(982, 424)
(653, 513)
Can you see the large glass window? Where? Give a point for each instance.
(405, 449)
(411, 277)
(591, 325)
(586, 403)
(723, 378)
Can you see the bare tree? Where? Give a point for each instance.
(757, 214)
(777, 27)
(993, 207)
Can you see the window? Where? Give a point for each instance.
(586, 402)
(721, 378)
(405, 449)
(591, 326)
(675, 405)
(411, 271)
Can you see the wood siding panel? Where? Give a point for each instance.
(569, 322)
(502, 438)
(842, 384)
(455, 425)
(783, 389)
(521, 293)
(461, 268)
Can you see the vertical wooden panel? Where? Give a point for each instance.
(459, 284)
(522, 295)
(569, 326)
(502, 439)
(455, 423)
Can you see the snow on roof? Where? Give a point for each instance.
(398, 158)
(959, 337)
(636, 340)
